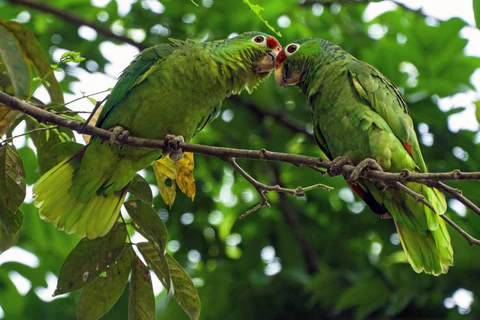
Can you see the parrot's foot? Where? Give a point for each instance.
(172, 147)
(335, 168)
(118, 135)
(362, 166)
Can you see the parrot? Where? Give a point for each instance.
(173, 88)
(360, 116)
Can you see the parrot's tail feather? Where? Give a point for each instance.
(91, 218)
(431, 250)
(432, 254)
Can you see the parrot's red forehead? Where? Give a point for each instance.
(280, 57)
(272, 43)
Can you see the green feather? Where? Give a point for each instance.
(359, 113)
(173, 88)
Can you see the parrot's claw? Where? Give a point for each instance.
(172, 146)
(118, 135)
(362, 166)
(335, 168)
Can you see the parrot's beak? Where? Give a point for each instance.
(283, 76)
(267, 62)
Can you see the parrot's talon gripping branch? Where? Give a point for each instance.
(173, 146)
(336, 165)
(362, 167)
(118, 134)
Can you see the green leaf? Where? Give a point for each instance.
(476, 12)
(366, 296)
(477, 110)
(101, 294)
(140, 188)
(10, 224)
(157, 262)
(185, 291)
(257, 10)
(141, 304)
(148, 223)
(89, 259)
(12, 178)
(34, 53)
(17, 67)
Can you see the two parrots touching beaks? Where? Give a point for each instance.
(177, 88)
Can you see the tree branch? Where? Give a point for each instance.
(76, 20)
(229, 154)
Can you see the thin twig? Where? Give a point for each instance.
(76, 20)
(471, 240)
(28, 132)
(416, 196)
(457, 194)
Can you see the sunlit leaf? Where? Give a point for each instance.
(101, 294)
(34, 54)
(170, 173)
(89, 259)
(157, 262)
(141, 305)
(257, 10)
(185, 291)
(15, 63)
(140, 188)
(476, 12)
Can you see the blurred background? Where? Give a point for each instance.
(324, 256)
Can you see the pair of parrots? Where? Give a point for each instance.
(176, 88)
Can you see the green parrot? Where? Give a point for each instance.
(358, 113)
(169, 89)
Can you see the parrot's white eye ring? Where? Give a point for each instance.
(260, 40)
(291, 49)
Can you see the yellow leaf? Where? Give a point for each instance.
(170, 173)
(7, 117)
(166, 174)
(185, 179)
(92, 122)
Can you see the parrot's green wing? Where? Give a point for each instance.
(136, 72)
(383, 97)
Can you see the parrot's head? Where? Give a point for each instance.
(294, 61)
(256, 53)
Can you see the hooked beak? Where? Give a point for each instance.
(267, 62)
(284, 77)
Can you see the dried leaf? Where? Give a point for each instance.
(89, 259)
(141, 304)
(92, 122)
(170, 173)
(100, 295)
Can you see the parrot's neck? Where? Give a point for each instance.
(326, 66)
(235, 68)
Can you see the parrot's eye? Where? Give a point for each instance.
(291, 48)
(260, 40)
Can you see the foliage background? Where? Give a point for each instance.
(323, 256)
